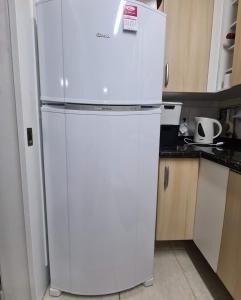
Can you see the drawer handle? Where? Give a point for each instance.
(166, 178)
(167, 75)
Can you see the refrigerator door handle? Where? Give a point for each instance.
(111, 110)
(53, 108)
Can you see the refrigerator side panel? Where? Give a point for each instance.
(50, 48)
(105, 64)
(56, 197)
(153, 49)
(112, 175)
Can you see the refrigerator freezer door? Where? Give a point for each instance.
(110, 207)
(50, 47)
(105, 64)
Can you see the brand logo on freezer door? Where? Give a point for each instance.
(102, 35)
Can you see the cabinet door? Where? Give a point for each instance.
(50, 50)
(188, 41)
(229, 265)
(236, 73)
(211, 199)
(176, 199)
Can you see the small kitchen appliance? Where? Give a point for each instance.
(204, 130)
(170, 122)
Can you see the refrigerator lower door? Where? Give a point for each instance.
(101, 171)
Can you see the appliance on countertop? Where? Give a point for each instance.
(170, 122)
(204, 130)
(102, 63)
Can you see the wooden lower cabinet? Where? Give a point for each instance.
(176, 199)
(229, 265)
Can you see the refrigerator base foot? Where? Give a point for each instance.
(148, 282)
(54, 292)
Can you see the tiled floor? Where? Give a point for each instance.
(176, 278)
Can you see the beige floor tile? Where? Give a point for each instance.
(175, 277)
(65, 296)
(169, 283)
(195, 281)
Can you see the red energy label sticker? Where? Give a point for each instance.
(130, 10)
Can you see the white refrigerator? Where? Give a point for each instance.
(101, 71)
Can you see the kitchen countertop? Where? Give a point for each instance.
(227, 157)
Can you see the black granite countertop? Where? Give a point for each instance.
(228, 157)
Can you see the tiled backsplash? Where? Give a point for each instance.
(223, 110)
(230, 117)
(190, 112)
(192, 109)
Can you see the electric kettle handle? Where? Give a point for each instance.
(220, 128)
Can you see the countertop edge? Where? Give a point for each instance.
(192, 153)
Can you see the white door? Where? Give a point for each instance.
(210, 208)
(105, 64)
(106, 211)
(50, 48)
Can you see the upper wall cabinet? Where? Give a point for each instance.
(225, 54)
(236, 70)
(188, 42)
(50, 50)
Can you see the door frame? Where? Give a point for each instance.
(25, 73)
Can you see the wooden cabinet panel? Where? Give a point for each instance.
(176, 199)
(210, 208)
(236, 73)
(161, 7)
(229, 266)
(188, 41)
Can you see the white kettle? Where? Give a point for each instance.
(204, 130)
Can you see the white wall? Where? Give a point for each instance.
(22, 51)
(22, 24)
(13, 252)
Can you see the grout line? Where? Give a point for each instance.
(183, 271)
(119, 296)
